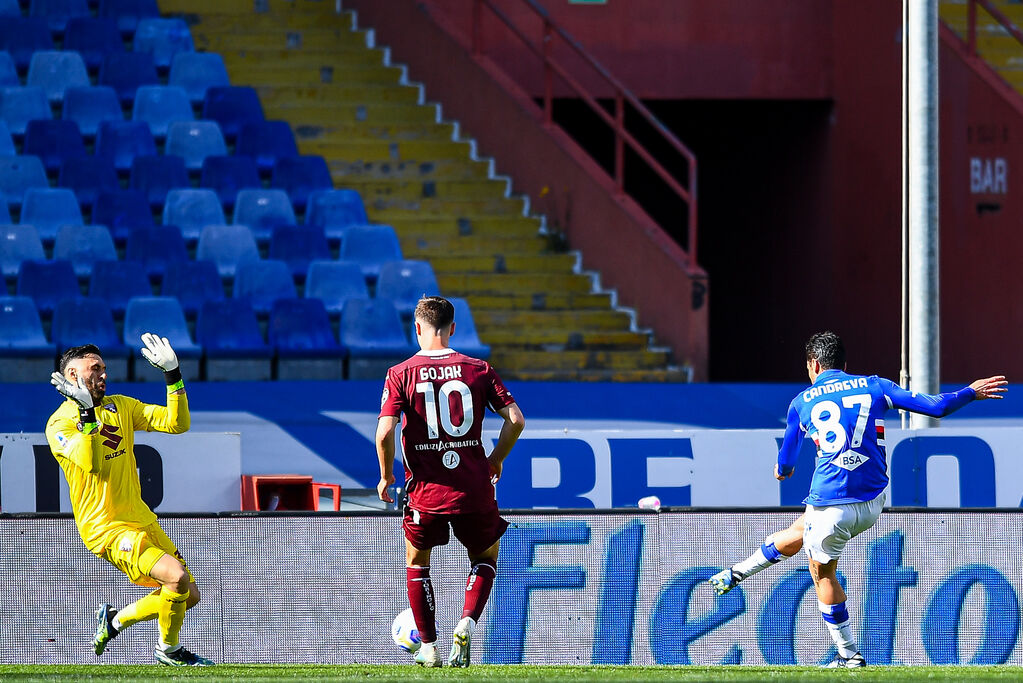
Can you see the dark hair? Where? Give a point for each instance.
(435, 311)
(76, 352)
(828, 349)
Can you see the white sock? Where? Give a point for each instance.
(164, 647)
(764, 557)
(836, 617)
(116, 622)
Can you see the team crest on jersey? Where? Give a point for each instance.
(111, 407)
(849, 460)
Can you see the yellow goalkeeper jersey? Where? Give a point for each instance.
(100, 467)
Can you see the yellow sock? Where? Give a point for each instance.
(172, 613)
(142, 609)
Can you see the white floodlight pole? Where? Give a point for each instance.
(922, 169)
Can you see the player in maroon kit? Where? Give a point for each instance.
(442, 396)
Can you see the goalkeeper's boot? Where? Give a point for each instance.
(463, 640)
(724, 581)
(181, 657)
(839, 662)
(105, 631)
(427, 655)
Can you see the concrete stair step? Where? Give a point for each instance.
(506, 358)
(431, 227)
(213, 38)
(283, 74)
(421, 247)
(289, 97)
(349, 57)
(465, 284)
(542, 264)
(555, 341)
(344, 171)
(643, 375)
(540, 301)
(371, 130)
(285, 20)
(415, 190)
(383, 150)
(608, 320)
(334, 114)
(384, 211)
(246, 7)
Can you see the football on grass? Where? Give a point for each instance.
(404, 631)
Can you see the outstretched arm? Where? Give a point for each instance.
(514, 423)
(385, 455)
(174, 418)
(940, 405)
(789, 450)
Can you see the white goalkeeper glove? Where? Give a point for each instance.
(159, 353)
(75, 391)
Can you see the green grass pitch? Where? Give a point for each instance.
(517, 672)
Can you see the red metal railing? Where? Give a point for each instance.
(622, 95)
(989, 7)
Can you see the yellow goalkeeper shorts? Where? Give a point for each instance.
(136, 551)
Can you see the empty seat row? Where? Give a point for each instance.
(126, 13)
(160, 38)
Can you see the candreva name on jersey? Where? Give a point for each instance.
(832, 387)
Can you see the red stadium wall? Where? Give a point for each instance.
(821, 246)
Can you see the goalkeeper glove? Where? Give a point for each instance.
(77, 392)
(160, 355)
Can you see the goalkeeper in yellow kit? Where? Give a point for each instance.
(92, 435)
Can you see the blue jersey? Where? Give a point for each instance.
(844, 415)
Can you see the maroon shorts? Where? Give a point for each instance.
(477, 531)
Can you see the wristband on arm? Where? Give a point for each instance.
(87, 417)
(174, 380)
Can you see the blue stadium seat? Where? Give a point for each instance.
(298, 246)
(47, 282)
(300, 332)
(156, 175)
(128, 12)
(373, 334)
(88, 177)
(22, 337)
(263, 210)
(93, 38)
(18, 174)
(122, 141)
(56, 71)
(335, 211)
(125, 72)
(84, 245)
(21, 36)
(123, 211)
(160, 106)
(7, 148)
(117, 282)
(263, 282)
(10, 8)
(232, 107)
(49, 209)
(58, 12)
(53, 142)
(196, 72)
(162, 38)
(371, 246)
(161, 315)
(227, 246)
(19, 105)
(229, 333)
(466, 339)
(88, 107)
(193, 283)
(194, 141)
(405, 282)
(227, 175)
(88, 320)
(334, 283)
(18, 243)
(192, 210)
(156, 248)
(266, 142)
(300, 176)
(8, 70)
(5, 212)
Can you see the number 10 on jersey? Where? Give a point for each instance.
(441, 398)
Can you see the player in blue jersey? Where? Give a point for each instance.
(844, 415)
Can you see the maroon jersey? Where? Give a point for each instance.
(442, 396)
